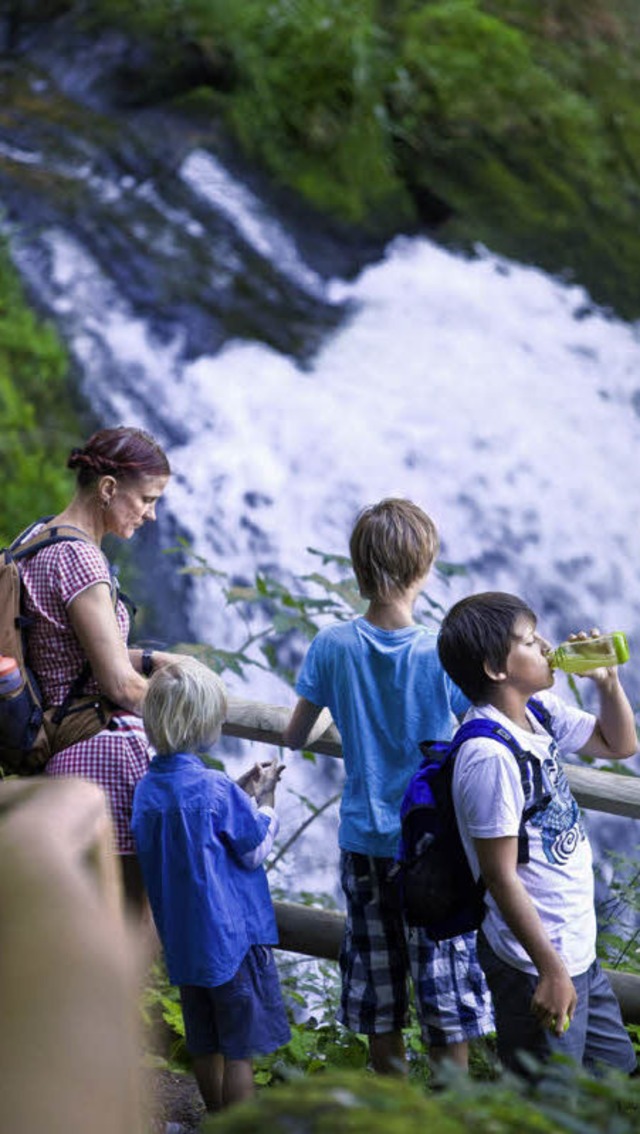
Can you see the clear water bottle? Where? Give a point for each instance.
(585, 654)
(10, 677)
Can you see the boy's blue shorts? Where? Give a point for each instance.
(239, 1019)
(380, 953)
(596, 1037)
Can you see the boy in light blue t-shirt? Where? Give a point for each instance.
(381, 679)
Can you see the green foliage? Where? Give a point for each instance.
(280, 619)
(163, 1025)
(473, 72)
(364, 1104)
(502, 128)
(37, 424)
(311, 92)
(619, 913)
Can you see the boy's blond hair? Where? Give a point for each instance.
(185, 707)
(393, 543)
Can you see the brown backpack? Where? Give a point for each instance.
(29, 734)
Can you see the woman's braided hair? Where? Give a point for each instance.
(122, 452)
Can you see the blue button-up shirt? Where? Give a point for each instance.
(201, 841)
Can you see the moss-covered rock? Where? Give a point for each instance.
(512, 123)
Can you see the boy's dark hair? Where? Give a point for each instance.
(392, 544)
(478, 631)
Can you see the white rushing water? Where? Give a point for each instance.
(468, 386)
(493, 395)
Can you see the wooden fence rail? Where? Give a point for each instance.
(593, 789)
(317, 933)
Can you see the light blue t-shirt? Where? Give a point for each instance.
(193, 826)
(387, 692)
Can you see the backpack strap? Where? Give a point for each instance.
(541, 713)
(28, 544)
(29, 541)
(535, 782)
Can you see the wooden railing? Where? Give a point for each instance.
(317, 933)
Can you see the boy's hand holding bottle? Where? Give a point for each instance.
(590, 655)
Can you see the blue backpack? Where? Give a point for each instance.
(433, 880)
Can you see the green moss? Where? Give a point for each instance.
(520, 140)
(518, 120)
(309, 102)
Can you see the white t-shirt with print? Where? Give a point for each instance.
(488, 798)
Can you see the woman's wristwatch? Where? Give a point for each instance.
(146, 664)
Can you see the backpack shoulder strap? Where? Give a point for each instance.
(534, 782)
(29, 542)
(482, 727)
(541, 713)
(434, 750)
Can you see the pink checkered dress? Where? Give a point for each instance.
(115, 758)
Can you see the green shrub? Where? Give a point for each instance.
(360, 1103)
(38, 425)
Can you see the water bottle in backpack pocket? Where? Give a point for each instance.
(20, 710)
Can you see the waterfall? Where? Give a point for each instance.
(500, 399)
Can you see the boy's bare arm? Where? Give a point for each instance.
(614, 736)
(555, 996)
(307, 723)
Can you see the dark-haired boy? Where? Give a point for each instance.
(537, 944)
(381, 678)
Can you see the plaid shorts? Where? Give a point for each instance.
(380, 953)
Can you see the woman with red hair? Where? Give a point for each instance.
(78, 626)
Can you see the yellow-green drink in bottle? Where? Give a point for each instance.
(585, 654)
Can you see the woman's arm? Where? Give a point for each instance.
(94, 623)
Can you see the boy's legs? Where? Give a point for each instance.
(209, 1072)
(596, 1037)
(373, 961)
(237, 1083)
(606, 1041)
(517, 1029)
(387, 1053)
(452, 998)
(223, 1081)
(226, 1025)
